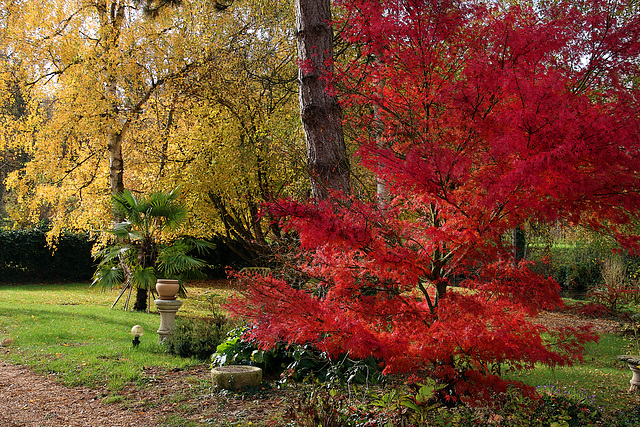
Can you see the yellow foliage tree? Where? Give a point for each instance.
(241, 143)
(93, 66)
(125, 100)
(188, 96)
(14, 105)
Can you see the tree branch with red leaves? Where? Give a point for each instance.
(490, 115)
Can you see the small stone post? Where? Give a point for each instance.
(167, 309)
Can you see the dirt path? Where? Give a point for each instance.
(28, 399)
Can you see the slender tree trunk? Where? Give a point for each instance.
(382, 190)
(111, 20)
(116, 164)
(320, 112)
(519, 244)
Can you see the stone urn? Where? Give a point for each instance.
(167, 288)
(634, 364)
(234, 377)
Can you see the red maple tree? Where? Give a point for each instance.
(477, 116)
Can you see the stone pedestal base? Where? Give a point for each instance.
(634, 365)
(635, 378)
(234, 377)
(167, 309)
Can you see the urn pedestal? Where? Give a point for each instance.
(167, 309)
(634, 365)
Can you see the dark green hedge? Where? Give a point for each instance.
(25, 257)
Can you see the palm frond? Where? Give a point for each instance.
(144, 278)
(113, 255)
(165, 208)
(124, 230)
(200, 246)
(177, 263)
(107, 277)
(127, 204)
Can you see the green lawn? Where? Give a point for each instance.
(601, 380)
(71, 330)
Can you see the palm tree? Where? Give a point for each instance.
(140, 254)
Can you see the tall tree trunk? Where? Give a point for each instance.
(320, 112)
(112, 16)
(116, 164)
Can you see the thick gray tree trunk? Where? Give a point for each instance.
(320, 112)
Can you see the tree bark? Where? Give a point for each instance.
(116, 164)
(142, 295)
(111, 20)
(519, 244)
(321, 116)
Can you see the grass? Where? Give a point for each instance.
(601, 380)
(71, 331)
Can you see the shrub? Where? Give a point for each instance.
(617, 288)
(221, 257)
(591, 309)
(574, 266)
(408, 406)
(297, 362)
(628, 418)
(197, 337)
(611, 296)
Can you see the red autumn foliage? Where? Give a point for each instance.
(591, 309)
(477, 116)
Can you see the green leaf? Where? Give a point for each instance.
(107, 277)
(144, 278)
